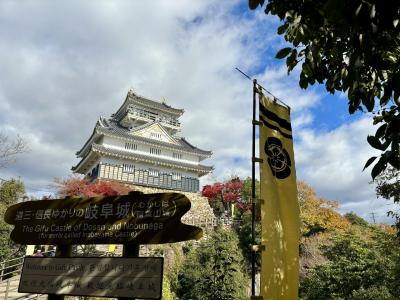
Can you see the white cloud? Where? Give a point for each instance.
(332, 162)
(77, 64)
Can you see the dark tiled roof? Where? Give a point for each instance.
(110, 127)
(132, 98)
(129, 155)
(82, 161)
(154, 104)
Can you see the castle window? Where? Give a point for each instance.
(129, 168)
(155, 151)
(150, 115)
(153, 172)
(176, 176)
(130, 146)
(177, 155)
(155, 135)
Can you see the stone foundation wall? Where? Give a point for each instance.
(200, 213)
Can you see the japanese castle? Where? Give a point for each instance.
(138, 145)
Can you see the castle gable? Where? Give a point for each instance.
(156, 132)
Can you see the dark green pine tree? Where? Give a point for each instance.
(214, 270)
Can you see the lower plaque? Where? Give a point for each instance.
(139, 277)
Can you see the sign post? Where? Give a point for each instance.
(130, 220)
(61, 251)
(130, 251)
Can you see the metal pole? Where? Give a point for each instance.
(253, 193)
(129, 250)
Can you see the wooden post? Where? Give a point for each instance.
(3, 265)
(62, 251)
(131, 250)
(7, 288)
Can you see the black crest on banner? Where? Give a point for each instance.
(278, 158)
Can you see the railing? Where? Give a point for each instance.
(11, 287)
(207, 223)
(154, 117)
(228, 221)
(10, 272)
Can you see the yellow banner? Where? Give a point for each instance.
(280, 209)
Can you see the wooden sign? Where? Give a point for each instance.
(139, 277)
(134, 218)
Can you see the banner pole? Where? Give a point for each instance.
(130, 250)
(61, 251)
(253, 193)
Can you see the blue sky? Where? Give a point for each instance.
(66, 63)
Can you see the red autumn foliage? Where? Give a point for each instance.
(227, 192)
(77, 186)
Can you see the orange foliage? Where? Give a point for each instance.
(77, 186)
(318, 214)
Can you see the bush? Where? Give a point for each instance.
(355, 219)
(372, 293)
(354, 266)
(213, 270)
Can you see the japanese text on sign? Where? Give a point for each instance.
(93, 276)
(134, 218)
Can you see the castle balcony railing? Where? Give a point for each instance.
(139, 114)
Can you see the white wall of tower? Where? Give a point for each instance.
(145, 149)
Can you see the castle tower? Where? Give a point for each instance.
(138, 145)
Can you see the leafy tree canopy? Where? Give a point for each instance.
(246, 190)
(351, 47)
(213, 270)
(221, 195)
(10, 192)
(358, 267)
(354, 219)
(318, 214)
(245, 240)
(388, 187)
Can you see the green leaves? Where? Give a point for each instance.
(379, 167)
(253, 4)
(303, 81)
(282, 28)
(364, 259)
(291, 60)
(369, 162)
(368, 102)
(375, 142)
(283, 52)
(213, 270)
(358, 9)
(381, 131)
(351, 47)
(387, 134)
(10, 192)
